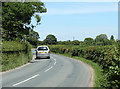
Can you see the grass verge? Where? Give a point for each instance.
(97, 69)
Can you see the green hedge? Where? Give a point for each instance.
(13, 60)
(12, 46)
(108, 57)
(15, 54)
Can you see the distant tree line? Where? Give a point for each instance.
(101, 39)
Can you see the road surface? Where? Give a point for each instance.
(58, 71)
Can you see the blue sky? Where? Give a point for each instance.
(80, 20)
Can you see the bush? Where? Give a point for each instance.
(108, 57)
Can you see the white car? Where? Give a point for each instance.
(43, 52)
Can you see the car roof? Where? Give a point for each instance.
(42, 46)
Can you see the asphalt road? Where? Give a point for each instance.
(58, 71)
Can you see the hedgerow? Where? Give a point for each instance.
(108, 57)
(12, 46)
(15, 54)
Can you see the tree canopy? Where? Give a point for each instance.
(33, 38)
(16, 18)
(112, 39)
(89, 41)
(50, 39)
(102, 39)
(76, 42)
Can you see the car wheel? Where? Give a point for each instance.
(36, 57)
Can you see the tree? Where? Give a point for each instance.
(102, 39)
(34, 34)
(50, 39)
(33, 41)
(76, 42)
(16, 18)
(89, 41)
(32, 38)
(112, 39)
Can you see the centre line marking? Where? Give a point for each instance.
(26, 80)
(55, 62)
(49, 68)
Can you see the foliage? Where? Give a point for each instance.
(32, 38)
(89, 41)
(75, 42)
(14, 54)
(17, 31)
(16, 18)
(112, 39)
(102, 39)
(108, 57)
(50, 39)
(12, 46)
(14, 59)
(65, 42)
(112, 78)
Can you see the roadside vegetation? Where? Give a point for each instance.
(101, 53)
(18, 36)
(15, 54)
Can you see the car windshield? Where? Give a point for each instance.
(42, 48)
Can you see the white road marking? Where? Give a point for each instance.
(55, 62)
(49, 69)
(51, 66)
(26, 80)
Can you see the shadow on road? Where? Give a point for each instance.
(41, 58)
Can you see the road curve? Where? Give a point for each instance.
(58, 71)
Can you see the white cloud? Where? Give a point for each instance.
(82, 10)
